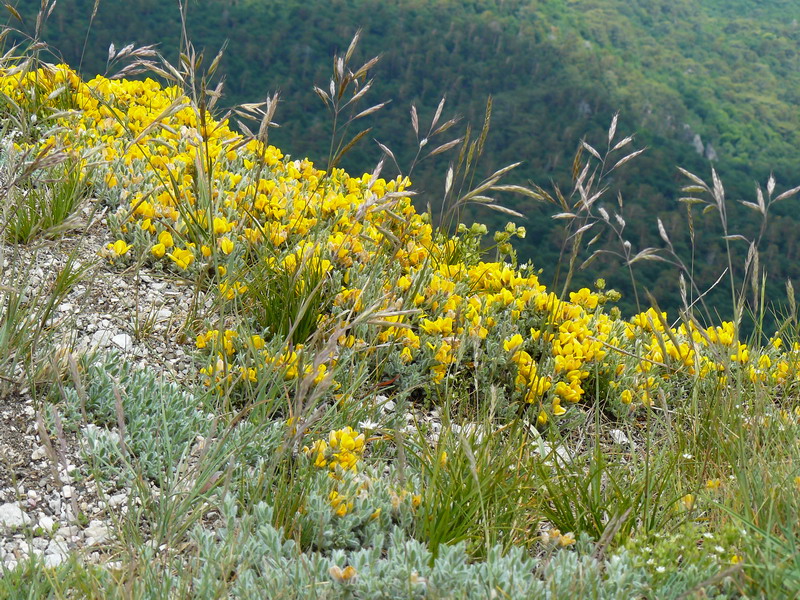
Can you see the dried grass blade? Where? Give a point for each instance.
(353, 43)
(663, 232)
(518, 189)
(506, 211)
(438, 114)
(787, 194)
(445, 147)
(366, 67)
(627, 158)
(613, 128)
(622, 143)
(386, 150)
(591, 150)
(695, 179)
(446, 125)
(370, 110)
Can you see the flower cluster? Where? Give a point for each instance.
(343, 449)
(193, 196)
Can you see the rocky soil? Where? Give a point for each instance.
(48, 504)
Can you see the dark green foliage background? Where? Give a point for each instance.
(557, 70)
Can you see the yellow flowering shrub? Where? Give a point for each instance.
(204, 199)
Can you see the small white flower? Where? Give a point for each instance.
(661, 569)
(688, 456)
(708, 535)
(719, 549)
(367, 425)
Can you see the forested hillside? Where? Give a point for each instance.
(699, 83)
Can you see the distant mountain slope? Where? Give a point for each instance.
(699, 82)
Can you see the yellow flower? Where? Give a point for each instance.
(583, 297)
(342, 575)
(119, 248)
(221, 225)
(538, 386)
(158, 250)
(514, 342)
(226, 245)
(165, 239)
(406, 356)
(318, 448)
(571, 392)
(339, 503)
(566, 539)
(181, 257)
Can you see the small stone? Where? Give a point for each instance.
(123, 341)
(39, 453)
(57, 547)
(619, 437)
(117, 499)
(53, 560)
(12, 515)
(67, 491)
(40, 543)
(100, 338)
(47, 523)
(96, 533)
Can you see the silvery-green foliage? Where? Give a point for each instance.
(572, 575)
(267, 565)
(248, 558)
(161, 419)
(374, 507)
